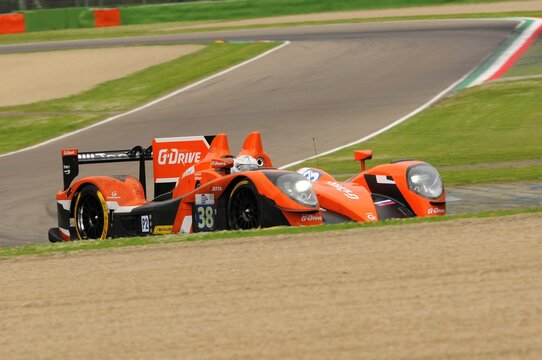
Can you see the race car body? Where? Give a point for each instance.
(199, 186)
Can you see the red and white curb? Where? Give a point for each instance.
(497, 65)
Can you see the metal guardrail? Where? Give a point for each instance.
(9, 6)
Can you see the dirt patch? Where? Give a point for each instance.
(32, 77)
(467, 289)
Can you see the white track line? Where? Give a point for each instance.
(152, 103)
(393, 124)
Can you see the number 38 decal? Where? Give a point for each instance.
(205, 217)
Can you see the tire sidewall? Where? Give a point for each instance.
(244, 184)
(91, 190)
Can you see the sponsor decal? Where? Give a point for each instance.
(162, 229)
(205, 199)
(385, 202)
(311, 217)
(218, 164)
(189, 171)
(310, 174)
(145, 224)
(436, 211)
(174, 156)
(383, 179)
(114, 195)
(67, 169)
(197, 177)
(205, 217)
(69, 152)
(371, 216)
(216, 188)
(101, 156)
(346, 192)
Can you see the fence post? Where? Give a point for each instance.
(22, 5)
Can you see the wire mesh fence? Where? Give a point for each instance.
(8, 6)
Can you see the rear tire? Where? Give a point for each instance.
(91, 214)
(244, 207)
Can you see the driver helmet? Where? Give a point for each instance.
(244, 163)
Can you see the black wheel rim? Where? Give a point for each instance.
(90, 219)
(244, 210)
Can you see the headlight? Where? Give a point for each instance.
(425, 180)
(297, 187)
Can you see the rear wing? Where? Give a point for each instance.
(172, 157)
(72, 158)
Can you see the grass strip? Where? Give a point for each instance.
(245, 9)
(25, 125)
(181, 27)
(530, 64)
(46, 249)
(487, 129)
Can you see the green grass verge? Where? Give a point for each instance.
(243, 9)
(45, 249)
(25, 125)
(177, 27)
(492, 131)
(530, 63)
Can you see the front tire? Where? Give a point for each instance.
(91, 214)
(244, 207)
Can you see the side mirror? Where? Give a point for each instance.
(221, 164)
(362, 155)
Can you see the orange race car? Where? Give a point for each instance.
(200, 186)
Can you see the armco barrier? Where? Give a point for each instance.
(56, 19)
(106, 17)
(86, 18)
(151, 14)
(74, 18)
(12, 23)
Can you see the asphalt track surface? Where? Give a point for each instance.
(336, 83)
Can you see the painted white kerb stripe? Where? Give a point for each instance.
(393, 124)
(152, 103)
(508, 53)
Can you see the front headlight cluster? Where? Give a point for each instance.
(298, 188)
(425, 180)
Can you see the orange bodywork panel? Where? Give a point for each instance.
(398, 172)
(253, 147)
(351, 200)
